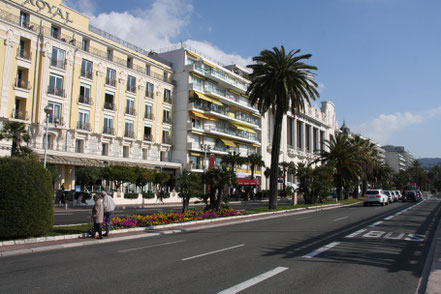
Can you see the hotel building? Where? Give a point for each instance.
(212, 116)
(111, 101)
(398, 158)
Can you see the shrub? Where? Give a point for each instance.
(148, 195)
(26, 198)
(131, 195)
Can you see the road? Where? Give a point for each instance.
(353, 249)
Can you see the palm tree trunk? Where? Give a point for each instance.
(252, 171)
(275, 151)
(339, 188)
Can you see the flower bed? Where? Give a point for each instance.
(134, 221)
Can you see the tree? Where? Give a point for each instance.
(15, 131)
(285, 169)
(143, 176)
(382, 174)
(232, 160)
(417, 174)
(434, 176)
(219, 179)
(188, 187)
(87, 175)
(345, 158)
(280, 82)
(119, 174)
(255, 160)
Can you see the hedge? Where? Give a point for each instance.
(148, 195)
(26, 198)
(131, 195)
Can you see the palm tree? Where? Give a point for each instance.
(286, 168)
(219, 179)
(280, 82)
(15, 131)
(232, 160)
(188, 187)
(255, 160)
(345, 157)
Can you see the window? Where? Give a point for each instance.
(24, 19)
(148, 111)
(197, 83)
(108, 125)
(79, 146)
(86, 69)
(166, 117)
(315, 139)
(148, 133)
(196, 123)
(109, 54)
(83, 120)
(195, 162)
(55, 32)
(130, 106)
(166, 137)
(111, 77)
(129, 62)
(164, 156)
(56, 85)
(144, 154)
(308, 137)
(50, 141)
(166, 76)
(85, 44)
(58, 58)
(322, 140)
(55, 117)
(108, 101)
(126, 151)
(131, 84)
(149, 90)
(147, 69)
(84, 94)
(167, 96)
(290, 131)
(299, 135)
(128, 130)
(104, 149)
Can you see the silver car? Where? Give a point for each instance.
(375, 196)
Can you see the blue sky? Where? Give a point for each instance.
(379, 61)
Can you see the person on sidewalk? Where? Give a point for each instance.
(97, 217)
(109, 207)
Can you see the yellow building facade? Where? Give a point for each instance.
(111, 101)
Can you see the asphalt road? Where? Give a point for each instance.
(347, 250)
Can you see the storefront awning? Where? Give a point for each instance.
(248, 182)
(206, 98)
(195, 154)
(242, 128)
(228, 142)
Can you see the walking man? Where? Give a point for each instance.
(109, 207)
(97, 216)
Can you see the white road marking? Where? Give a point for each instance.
(320, 250)
(355, 233)
(376, 224)
(254, 281)
(150, 246)
(339, 219)
(213, 252)
(389, 217)
(63, 213)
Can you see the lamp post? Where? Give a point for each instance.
(48, 110)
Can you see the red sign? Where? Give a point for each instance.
(211, 161)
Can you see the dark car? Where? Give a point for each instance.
(410, 195)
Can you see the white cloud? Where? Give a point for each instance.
(380, 129)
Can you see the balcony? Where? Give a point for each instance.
(57, 120)
(232, 132)
(148, 138)
(85, 126)
(24, 54)
(166, 140)
(129, 134)
(20, 114)
(85, 100)
(131, 88)
(167, 120)
(109, 105)
(61, 64)
(87, 74)
(22, 84)
(131, 111)
(111, 82)
(108, 130)
(168, 100)
(56, 91)
(149, 116)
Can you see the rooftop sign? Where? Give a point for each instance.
(49, 8)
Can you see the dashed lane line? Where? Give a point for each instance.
(213, 252)
(321, 250)
(150, 246)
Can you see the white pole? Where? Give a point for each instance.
(46, 140)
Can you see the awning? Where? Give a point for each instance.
(242, 128)
(195, 154)
(248, 182)
(228, 142)
(239, 109)
(234, 92)
(209, 64)
(200, 115)
(192, 54)
(198, 76)
(197, 133)
(206, 98)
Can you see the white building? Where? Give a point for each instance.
(398, 158)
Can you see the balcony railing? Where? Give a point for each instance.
(234, 132)
(109, 105)
(81, 125)
(85, 100)
(23, 53)
(129, 134)
(56, 91)
(149, 115)
(20, 114)
(58, 63)
(22, 84)
(168, 100)
(109, 130)
(87, 74)
(131, 111)
(167, 120)
(148, 138)
(166, 140)
(131, 88)
(111, 82)
(57, 120)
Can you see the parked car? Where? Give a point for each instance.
(419, 194)
(410, 195)
(400, 196)
(394, 195)
(375, 196)
(390, 197)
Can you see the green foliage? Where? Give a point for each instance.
(255, 160)
(87, 175)
(417, 174)
(315, 184)
(119, 174)
(148, 195)
(159, 178)
(188, 187)
(219, 180)
(26, 198)
(143, 176)
(131, 195)
(15, 131)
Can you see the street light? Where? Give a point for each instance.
(48, 110)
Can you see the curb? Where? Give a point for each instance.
(432, 267)
(173, 225)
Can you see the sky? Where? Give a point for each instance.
(379, 61)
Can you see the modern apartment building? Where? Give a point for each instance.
(212, 116)
(303, 136)
(398, 158)
(111, 101)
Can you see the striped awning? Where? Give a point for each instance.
(243, 128)
(205, 97)
(228, 142)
